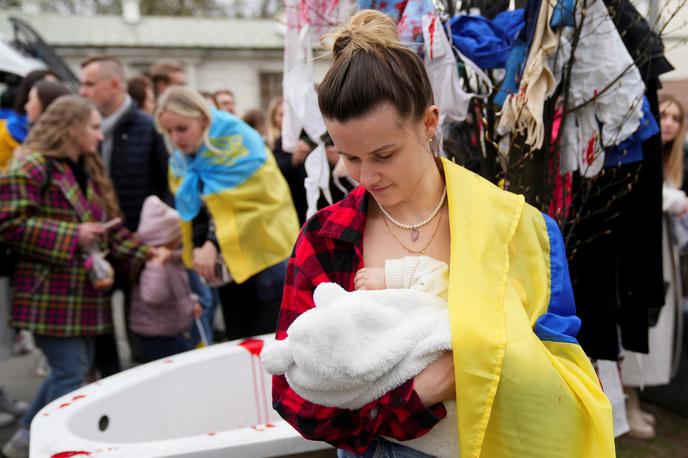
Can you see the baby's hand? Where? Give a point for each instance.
(370, 278)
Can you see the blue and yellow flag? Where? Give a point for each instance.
(524, 386)
(235, 175)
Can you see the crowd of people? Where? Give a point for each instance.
(147, 186)
(143, 186)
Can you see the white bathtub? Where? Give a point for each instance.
(211, 402)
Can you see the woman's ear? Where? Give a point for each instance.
(431, 120)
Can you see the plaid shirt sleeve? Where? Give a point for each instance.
(45, 239)
(127, 251)
(399, 414)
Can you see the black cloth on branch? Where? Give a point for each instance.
(617, 269)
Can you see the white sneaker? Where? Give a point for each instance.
(43, 368)
(10, 405)
(6, 419)
(23, 343)
(18, 445)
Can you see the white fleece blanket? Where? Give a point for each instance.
(354, 347)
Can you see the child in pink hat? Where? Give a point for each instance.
(163, 305)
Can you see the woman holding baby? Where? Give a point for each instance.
(515, 383)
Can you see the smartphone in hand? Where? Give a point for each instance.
(112, 223)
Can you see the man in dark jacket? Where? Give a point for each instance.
(133, 152)
(135, 157)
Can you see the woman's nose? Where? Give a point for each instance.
(369, 176)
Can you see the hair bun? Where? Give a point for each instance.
(366, 31)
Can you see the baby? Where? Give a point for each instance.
(354, 347)
(421, 273)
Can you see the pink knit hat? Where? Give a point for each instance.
(159, 223)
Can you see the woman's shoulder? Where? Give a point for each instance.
(31, 164)
(341, 219)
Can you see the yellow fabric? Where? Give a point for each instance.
(7, 146)
(255, 223)
(517, 396)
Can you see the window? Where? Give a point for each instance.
(270, 87)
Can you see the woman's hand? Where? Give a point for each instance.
(435, 383)
(204, 259)
(89, 233)
(299, 155)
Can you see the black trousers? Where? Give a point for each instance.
(247, 310)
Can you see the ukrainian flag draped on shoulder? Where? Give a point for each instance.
(524, 386)
(235, 175)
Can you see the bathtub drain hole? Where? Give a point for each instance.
(103, 422)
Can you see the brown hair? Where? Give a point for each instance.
(137, 87)
(27, 83)
(109, 65)
(161, 70)
(53, 136)
(371, 66)
(273, 131)
(48, 91)
(256, 119)
(209, 96)
(673, 150)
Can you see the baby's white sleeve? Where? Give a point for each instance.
(421, 273)
(394, 273)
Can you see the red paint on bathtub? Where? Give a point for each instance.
(70, 454)
(63, 405)
(254, 346)
(168, 361)
(257, 428)
(269, 425)
(211, 434)
(78, 396)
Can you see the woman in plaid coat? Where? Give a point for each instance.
(54, 200)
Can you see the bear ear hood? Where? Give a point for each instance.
(326, 294)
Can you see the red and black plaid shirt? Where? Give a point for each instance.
(330, 249)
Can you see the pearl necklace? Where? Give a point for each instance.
(414, 227)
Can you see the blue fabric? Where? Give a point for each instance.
(240, 153)
(563, 14)
(18, 126)
(510, 22)
(70, 359)
(487, 43)
(209, 299)
(5, 113)
(559, 323)
(518, 54)
(631, 149)
(382, 448)
(512, 75)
